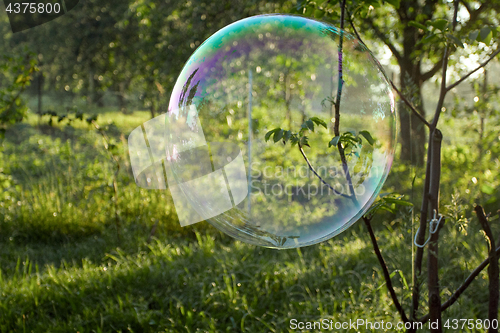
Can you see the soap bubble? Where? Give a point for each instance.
(279, 71)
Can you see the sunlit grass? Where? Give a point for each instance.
(64, 268)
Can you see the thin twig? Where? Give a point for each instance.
(317, 175)
(410, 105)
(337, 105)
(443, 90)
(385, 271)
(400, 94)
(481, 65)
(336, 128)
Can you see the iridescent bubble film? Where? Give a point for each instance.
(296, 188)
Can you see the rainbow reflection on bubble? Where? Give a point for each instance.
(278, 71)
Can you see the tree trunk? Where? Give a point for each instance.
(98, 94)
(152, 110)
(412, 130)
(122, 98)
(413, 136)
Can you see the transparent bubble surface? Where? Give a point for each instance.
(278, 71)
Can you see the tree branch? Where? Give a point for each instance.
(383, 37)
(410, 105)
(481, 65)
(466, 5)
(474, 14)
(431, 72)
(426, 199)
(427, 185)
(492, 268)
(454, 297)
(317, 175)
(403, 98)
(385, 271)
(433, 249)
(336, 127)
(446, 57)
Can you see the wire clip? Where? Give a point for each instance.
(433, 227)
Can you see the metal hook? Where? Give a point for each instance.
(433, 227)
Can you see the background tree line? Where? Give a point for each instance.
(126, 55)
(133, 50)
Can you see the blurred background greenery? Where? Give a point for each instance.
(83, 249)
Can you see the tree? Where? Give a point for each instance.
(403, 26)
(169, 33)
(427, 34)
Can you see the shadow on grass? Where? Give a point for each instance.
(189, 285)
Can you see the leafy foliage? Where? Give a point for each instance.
(352, 140)
(390, 202)
(348, 139)
(17, 72)
(69, 272)
(298, 137)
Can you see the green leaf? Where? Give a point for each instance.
(455, 40)
(278, 135)
(404, 279)
(487, 40)
(268, 134)
(395, 3)
(484, 33)
(319, 122)
(310, 125)
(418, 25)
(368, 137)
(473, 35)
(398, 202)
(429, 38)
(334, 141)
(440, 24)
(304, 141)
(287, 136)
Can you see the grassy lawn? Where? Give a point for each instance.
(66, 265)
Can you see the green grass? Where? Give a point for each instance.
(63, 267)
